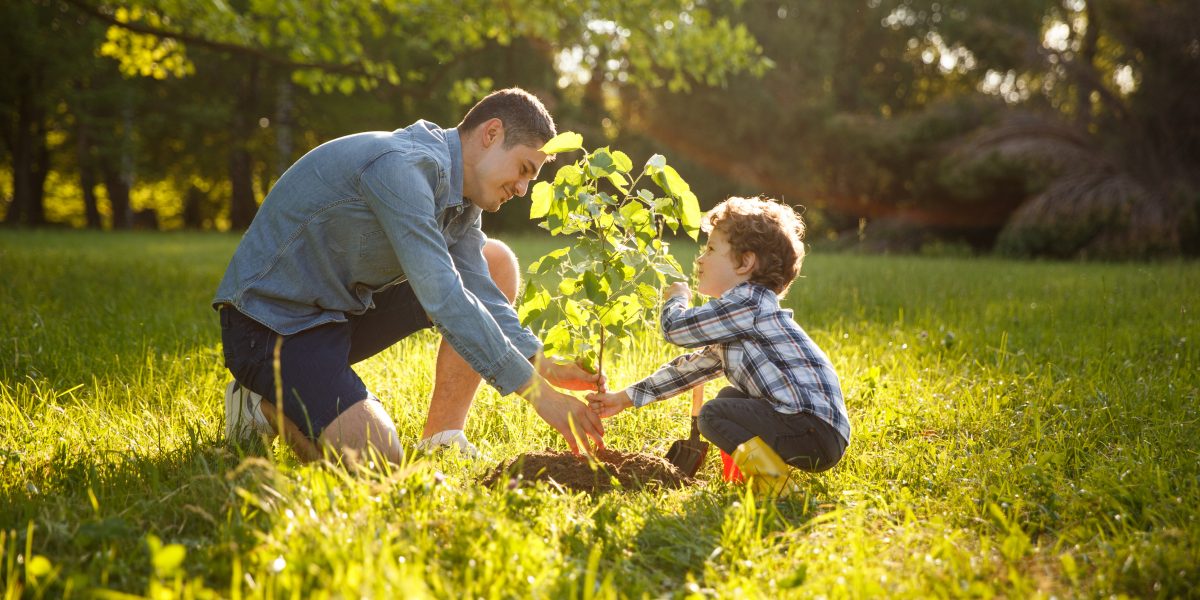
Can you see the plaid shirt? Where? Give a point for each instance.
(747, 337)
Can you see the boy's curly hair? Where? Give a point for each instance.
(773, 231)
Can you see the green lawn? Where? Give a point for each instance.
(1020, 429)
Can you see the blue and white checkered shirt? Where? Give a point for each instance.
(747, 337)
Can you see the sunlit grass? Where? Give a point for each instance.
(1019, 429)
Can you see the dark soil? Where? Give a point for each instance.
(631, 471)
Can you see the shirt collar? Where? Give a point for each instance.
(754, 290)
(454, 145)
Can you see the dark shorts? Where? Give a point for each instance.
(314, 365)
(803, 440)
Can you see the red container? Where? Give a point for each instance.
(729, 471)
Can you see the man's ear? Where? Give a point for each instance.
(493, 131)
(746, 264)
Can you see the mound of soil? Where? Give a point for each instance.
(630, 470)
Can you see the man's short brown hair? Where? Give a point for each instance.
(526, 120)
(773, 231)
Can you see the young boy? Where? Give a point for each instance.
(785, 405)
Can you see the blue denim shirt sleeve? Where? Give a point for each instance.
(467, 254)
(396, 188)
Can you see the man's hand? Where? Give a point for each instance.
(679, 288)
(569, 376)
(568, 416)
(609, 404)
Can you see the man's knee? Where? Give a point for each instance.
(502, 264)
(364, 426)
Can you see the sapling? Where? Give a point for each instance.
(607, 278)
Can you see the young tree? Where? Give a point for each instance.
(604, 277)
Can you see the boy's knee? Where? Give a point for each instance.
(503, 266)
(710, 413)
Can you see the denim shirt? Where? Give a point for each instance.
(365, 212)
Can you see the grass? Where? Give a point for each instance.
(1020, 429)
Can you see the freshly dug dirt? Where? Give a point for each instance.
(631, 471)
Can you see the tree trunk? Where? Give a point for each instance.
(1087, 62)
(241, 171)
(29, 160)
(283, 125)
(118, 197)
(193, 212)
(87, 175)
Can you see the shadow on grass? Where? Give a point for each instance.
(88, 512)
(715, 532)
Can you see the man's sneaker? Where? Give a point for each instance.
(451, 438)
(243, 418)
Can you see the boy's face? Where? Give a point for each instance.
(717, 269)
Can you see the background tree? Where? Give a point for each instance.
(417, 53)
(936, 118)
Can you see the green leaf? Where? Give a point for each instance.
(669, 180)
(570, 175)
(543, 193)
(601, 163)
(558, 339)
(655, 163)
(533, 307)
(646, 195)
(647, 295)
(593, 286)
(690, 215)
(550, 261)
(670, 267)
(564, 142)
(568, 286)
(620, 182)
(574, 313)
(622, 161)
(614, 276)
(588, 361)
(635, 212)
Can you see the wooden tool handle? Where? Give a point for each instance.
(697, 399)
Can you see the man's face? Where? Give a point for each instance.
(502, 173)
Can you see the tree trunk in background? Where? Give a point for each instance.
(87, 176)
(283, 125)
(193, 214)
(118, 174)
(118, 197)
(241, 170)
(30, 164)
(1087, 62)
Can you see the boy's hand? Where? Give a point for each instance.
(679, 288)
(610, 403)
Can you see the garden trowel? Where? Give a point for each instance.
(687, 455)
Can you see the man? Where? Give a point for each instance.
(367, 239)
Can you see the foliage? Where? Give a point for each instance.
(1020, 429)
(604, 285)
(868, 104)
(361, 44)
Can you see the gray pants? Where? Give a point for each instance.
(803, 440)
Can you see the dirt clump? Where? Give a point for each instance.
(609, 469)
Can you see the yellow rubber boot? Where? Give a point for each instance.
(764, 467)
